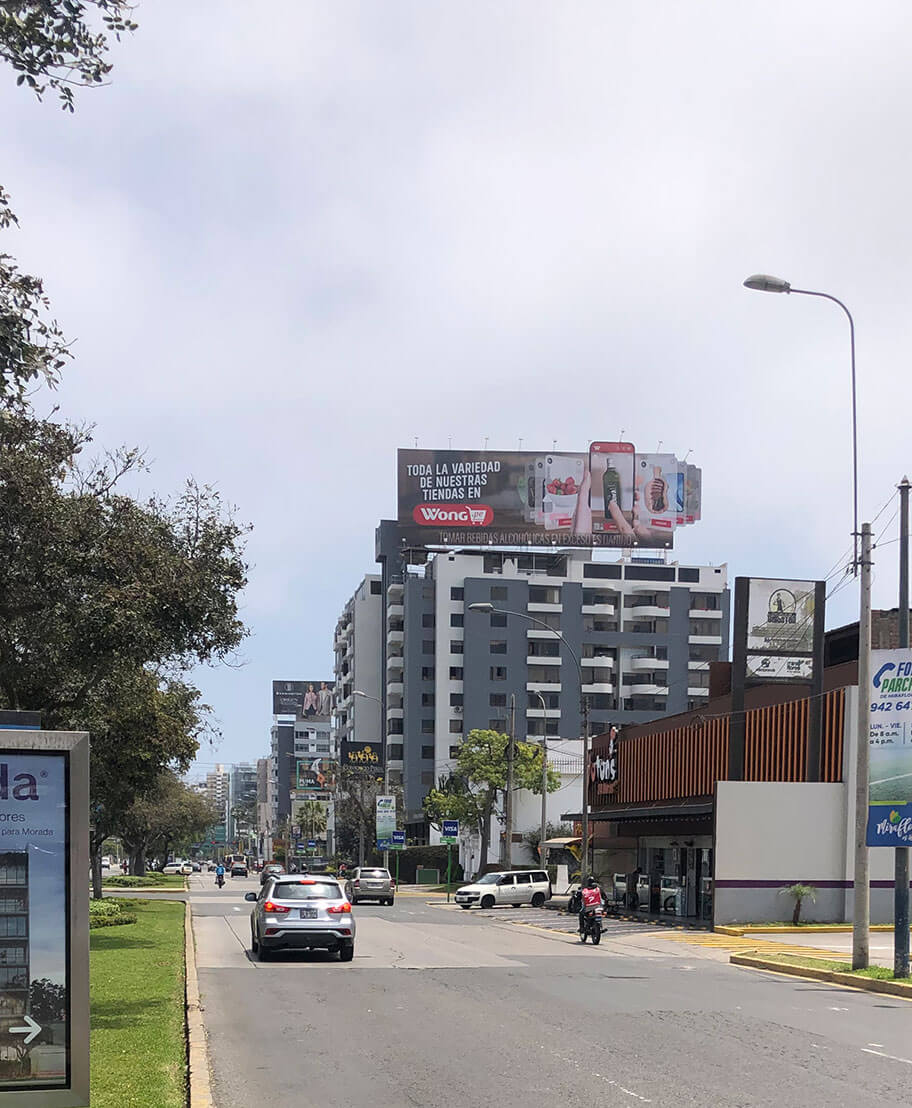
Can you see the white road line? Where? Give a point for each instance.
(238, 910)
(892, 1057)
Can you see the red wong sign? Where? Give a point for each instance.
(457, 515)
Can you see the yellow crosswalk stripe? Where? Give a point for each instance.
(742, 945)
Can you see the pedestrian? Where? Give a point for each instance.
(633, 896)
(124, 867)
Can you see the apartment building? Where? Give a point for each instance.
(358, 664)
(643, 631)
(301, 732)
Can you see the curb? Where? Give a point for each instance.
(863, 984)
(822, 929)
(197, 1052)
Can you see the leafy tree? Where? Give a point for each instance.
(799, 893)
(169, 814)
(47, 1005)
(53, 44)
(553, 831)
(480, 781)
(356, 813)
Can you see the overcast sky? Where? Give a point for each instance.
(292, 237)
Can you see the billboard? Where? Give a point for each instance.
(608, 495)
(890, 749)
(302, 699)
(316, 774)
(361, 755)
(780, 630)
(386, 817)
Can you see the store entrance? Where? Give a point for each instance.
(676, 878)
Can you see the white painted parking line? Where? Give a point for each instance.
(892, 1057)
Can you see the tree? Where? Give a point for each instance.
(480, 779)
(553, 830)
(356, 814)
(92, 581)
(47, 1005)
(799, 893)
(169, 814)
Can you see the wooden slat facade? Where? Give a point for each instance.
(687, 761)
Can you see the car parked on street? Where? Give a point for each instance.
(370, 883)
(177, 867)
(513, 887)
(272, 869)
(301, 913)
(239, 869)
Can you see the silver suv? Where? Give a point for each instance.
(370, 883)
(301, 913)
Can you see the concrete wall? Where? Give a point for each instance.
(773, 834)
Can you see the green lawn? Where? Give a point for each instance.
(137, 995)
(878, 973)
(150, 881)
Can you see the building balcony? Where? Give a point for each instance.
(706, 613)
(394, 687)
(541, 607)
(543, 686)
(395, 611)
(705, 640)
(647, 611)
(540, 633)
(607, 662)
(602, 686)
(395, 638)
(650, 588)
(647, 662)
(542, 659)
(698, 663)
(394, 662)
(537, 713)
(599, 609)
(394, 713)
(394, 590)
(646, 690)
(697, 692)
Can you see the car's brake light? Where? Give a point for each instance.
(339, 909)
(277, 909)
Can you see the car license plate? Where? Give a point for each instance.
(308, 913)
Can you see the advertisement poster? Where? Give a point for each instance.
(607, 496)
(780, 630)
(313, 818)
(34, 990)
(361, 755)
(386, 817)
(302, 699)
(316, 774)
(890, 749)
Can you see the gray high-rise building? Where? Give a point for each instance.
(644, 631)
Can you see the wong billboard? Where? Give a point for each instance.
(607, 496)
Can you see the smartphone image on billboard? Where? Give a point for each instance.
(611, 472)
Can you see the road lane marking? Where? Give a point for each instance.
(892, 1057)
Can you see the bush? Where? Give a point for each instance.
(112, 912)
(430, 857)
(146, 882)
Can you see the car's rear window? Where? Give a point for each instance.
(312, 890)
(374, 873)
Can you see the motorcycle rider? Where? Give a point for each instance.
(220, 875)
(591, 898)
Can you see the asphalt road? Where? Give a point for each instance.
(442, 1008)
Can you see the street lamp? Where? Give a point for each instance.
(485, 607)
(861, 911)
(377, 700)
(544, 795)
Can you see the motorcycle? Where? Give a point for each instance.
(592, 925)
(220, 879)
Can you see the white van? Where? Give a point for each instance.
(514, 887)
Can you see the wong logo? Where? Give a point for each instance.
(453, 515)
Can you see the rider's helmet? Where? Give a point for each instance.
(591, 883)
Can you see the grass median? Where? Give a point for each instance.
(874, 973)
(138, 1044)
(149, 881)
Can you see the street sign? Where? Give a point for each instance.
(44, 833)
(386, 817)
(398, 841)
(450, 831)
(384, 844)
(311, 843)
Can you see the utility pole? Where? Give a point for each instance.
(861, 911)
(544, 783)
(901, 862)
(508, 799)
(584, 853)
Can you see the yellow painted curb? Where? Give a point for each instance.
(821, 929)
(197, 1050)
(865, 984)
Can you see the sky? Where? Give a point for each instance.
(291, 238)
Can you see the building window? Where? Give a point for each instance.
(498, 673)
(455, 673)
(649, 573)
(427, 778)
(543, 594)
(498, 646)
(375, 588)
(394, 727)
(600, 569)
(543, 648)
(427, 752)
(394, 752)
(427, 700)
(690, 575)
(456, 619)
(498, 619)
(427, 646)
(427, 620)
(456, 646)
(427, 673)
(427, 592)
(454, 751)
(455, 726)
(498, 592)
(552, 700)
(457, 593)
(498, 700)
(455, 699)
(704, 627)
(497, 724)
(427, 727)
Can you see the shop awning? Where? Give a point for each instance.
(572, 841)
(695, 807)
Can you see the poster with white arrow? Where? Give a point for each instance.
(34, 998)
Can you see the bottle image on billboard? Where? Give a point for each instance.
(611, 470)
(657, 490)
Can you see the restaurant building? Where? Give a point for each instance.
(711, 833)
